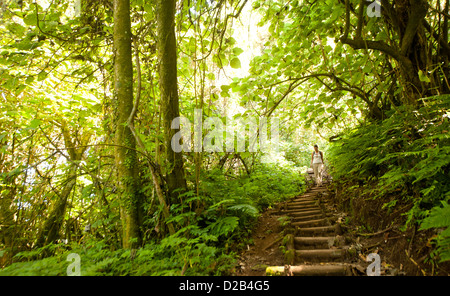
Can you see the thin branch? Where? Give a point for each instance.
(40, 29)
(235, 15)
(441, 39)
(130, 120)
(376, 233)
(292, 86)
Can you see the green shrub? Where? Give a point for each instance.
(404, 160)
(203, 243)
(440, 218)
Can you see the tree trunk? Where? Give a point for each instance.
(52, 226)
(125, 153)
(55, 219)
(7, 222)
(407, 18)
(8, 208)
(167, 56)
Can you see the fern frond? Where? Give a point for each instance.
(439, 217)
(246, 209)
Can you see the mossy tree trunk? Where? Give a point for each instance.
(406, 19)
(7, 222)
(52, 225)
(167, 56)
(125, 149)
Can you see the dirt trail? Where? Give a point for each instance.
(302, 237)
(306, 235)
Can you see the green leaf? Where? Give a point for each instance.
(225, 87)
(231, 41)
(235, 63)
(35, 123)
(423, 77)
(214, 97)
(439, 217)
(237, 51)
(30, 19)
(29, 80)
(245, 208)
(41, 76)
(223, 226)
(16, 29)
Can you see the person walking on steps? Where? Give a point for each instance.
(317, 164)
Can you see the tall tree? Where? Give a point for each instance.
(125, 149)
(52, 225)
(168, 84)
(406, 20)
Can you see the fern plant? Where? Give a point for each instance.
(440, 218)
(402, 161)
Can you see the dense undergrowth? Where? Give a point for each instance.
(211, 228)
(401, 164)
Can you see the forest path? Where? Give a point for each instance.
(302, 236)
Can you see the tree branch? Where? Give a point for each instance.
(419, 10)
(347, 21)
(292, 86)
(445, 47)
(385, 48)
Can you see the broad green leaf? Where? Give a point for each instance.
(230, 41)
(30, 19)
(41, 76)
(235, 63)
(225, 87)
(237, 51)
(16, 29)
(35, 123)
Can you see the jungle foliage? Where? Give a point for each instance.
(375, 85)
(88, 91)
(211, 228)
(404, 161)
